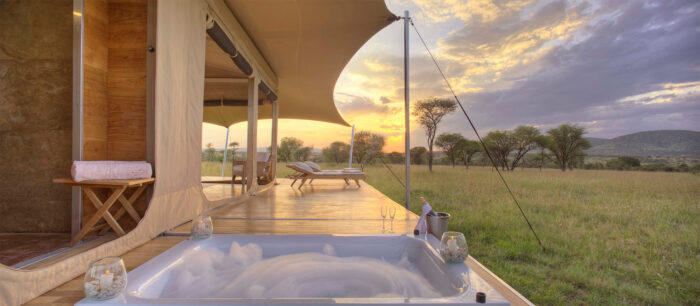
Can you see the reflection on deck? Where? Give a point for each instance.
(324, 207)
(221, 191)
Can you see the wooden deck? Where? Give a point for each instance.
(325, 207)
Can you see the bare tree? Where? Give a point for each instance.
(430, 112)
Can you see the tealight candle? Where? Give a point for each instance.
(106, 279)
(453, 247)
(202, 227)
(452, 244)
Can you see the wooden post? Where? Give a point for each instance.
(273, 142)
(251, 159)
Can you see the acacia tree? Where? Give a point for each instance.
(337, 151)
(430, 112)
(367, 146)
(303, 153)
(524, 140)
(209, 153)
(231, 153)
(568, 145)
(499, 144)
(288, 145)
(395, 158)
(418, 155)
(543, 142)
(448, 143)
(466, 149)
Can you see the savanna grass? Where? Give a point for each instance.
(610, 237)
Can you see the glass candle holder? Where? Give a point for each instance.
(453, 247)
(202, 227)
(105, 278)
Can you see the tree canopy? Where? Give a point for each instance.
(288, 145)
(466, 149)
(367, 146)
(418, 155)
(430, 112)
(568, 145)
(448, 142)
(337, 152)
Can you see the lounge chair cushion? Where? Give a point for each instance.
(304, 166)
(313, 166)
(263, 156)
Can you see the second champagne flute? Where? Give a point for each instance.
(392, 214)
(383, 211)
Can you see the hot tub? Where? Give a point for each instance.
(303, 269)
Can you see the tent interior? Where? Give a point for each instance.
(39, 216)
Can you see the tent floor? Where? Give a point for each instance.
(19, 247)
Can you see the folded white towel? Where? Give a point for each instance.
(110, 170)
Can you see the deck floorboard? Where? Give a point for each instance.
(326, 207)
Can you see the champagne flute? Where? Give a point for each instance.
(383, 211)
(392, 214)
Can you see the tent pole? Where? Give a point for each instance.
(352, 142)
(406, 110)
(223, 163)
(251, 167)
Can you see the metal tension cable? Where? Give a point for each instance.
(477, 134)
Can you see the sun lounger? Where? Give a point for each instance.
(304, 173)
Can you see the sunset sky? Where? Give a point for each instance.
(613, 67)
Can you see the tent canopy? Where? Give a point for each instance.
(307, 43)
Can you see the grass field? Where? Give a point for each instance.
(611, 237)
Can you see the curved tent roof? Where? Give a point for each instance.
(307, 43)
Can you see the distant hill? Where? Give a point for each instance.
(650, 143)
(597, 141)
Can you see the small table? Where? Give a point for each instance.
(118, 187)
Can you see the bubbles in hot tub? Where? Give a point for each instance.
(328, 250)
(242, 273)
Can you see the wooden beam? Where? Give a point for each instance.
(227, 80)
(230, 102)
(251, 170)
(244, 44)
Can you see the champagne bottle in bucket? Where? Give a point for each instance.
(421, 227)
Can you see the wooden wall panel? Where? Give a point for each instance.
(95, 107)
(114, 105)
(127, 80)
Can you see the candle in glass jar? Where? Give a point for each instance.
(106, 279)
(452, 244)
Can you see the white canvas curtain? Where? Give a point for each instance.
(177, 194)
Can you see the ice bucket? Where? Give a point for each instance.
(437, 223)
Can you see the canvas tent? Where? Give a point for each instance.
(297, 48)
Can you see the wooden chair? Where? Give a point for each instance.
(264, 168)
(306, 173)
